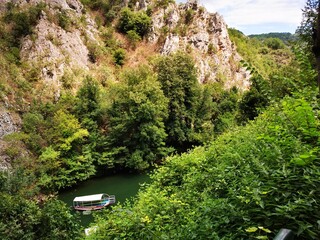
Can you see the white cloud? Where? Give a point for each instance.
(246, 13)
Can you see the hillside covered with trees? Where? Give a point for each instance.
(285, 37)
(227, 160)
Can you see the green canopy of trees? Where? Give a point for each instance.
(187, 100)
(248, 184)
(136, 132)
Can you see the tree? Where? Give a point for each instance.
(177, 75)
(136, 134)
(24, 217)
(89, 112)
(87, 107)
(57, 222)
(309, 31)
(274, 43)
(119, 56)
(139, 22)
(254, 100)
(63, 162)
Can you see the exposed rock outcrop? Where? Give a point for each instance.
(9, 122)
(55, 49)
(205, 35)
(5, 162)
(61, 4)
(189, 27)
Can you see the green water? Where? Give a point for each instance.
(123, 186)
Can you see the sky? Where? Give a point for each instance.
(258, 16)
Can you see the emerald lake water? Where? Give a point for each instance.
(123, 186)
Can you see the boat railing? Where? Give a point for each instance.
(89, 203)
(112, 199)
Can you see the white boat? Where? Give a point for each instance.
(93, 202)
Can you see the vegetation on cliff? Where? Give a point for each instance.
(230, 164)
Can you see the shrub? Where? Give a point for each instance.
(133, 37)
(163, 3)
(23, 22)
(263, 50)
(119, 56)
(64, 20)
(136, 133)
(274, 43)
(139, 22)
(189, 15)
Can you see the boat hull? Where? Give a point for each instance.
(90, 208)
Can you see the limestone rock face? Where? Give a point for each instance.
(61, 4)
(4, 159)
(205, 36)
(55, 49)
(9, 122)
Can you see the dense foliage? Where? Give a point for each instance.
(22, 22)
(139, 22)
(136, 132)
(248, 184)
(109, 8)
(269, 56)
(25, 218)
(189, 107)
(307, 29)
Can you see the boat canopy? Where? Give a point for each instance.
(87, 198)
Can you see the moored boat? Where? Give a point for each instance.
(93, 202)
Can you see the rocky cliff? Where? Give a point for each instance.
(193, 29)
(10, 122)
(187, 27)
(65, 30)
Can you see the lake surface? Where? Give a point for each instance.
(123, 186)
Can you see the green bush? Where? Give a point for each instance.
(212, 49)
(189, 16)
(163, 3)
(25, 215)
(190, 109)
(274, 43)
(119, 56)
(139, 22)
(23, 21)
(133, 37)
(64, 20)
